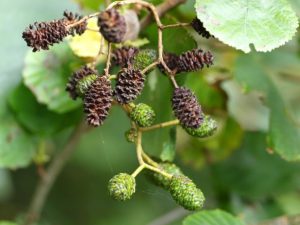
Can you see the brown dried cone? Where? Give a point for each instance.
(124, 56)
(194, 60)
(45, 34)
(186, 108)
(98, 101)
(129, 86)
(76, 77)
(200, 29)
(112, 25)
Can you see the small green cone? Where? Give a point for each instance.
(144, 58)
(84, 84)
(186, 193)
(143, 115)
(161, 180)
(206, 129)
(131, 135)
(121, 187)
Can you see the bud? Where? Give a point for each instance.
(207, 128)
(131, 135)
(121, 187)
(144, 58)
(143, 115)
(186, 193)
(161, 180)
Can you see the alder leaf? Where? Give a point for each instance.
(284, 133)
(46, 74)
(265, 24)
(213, 217)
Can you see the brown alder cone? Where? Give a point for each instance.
(98, 101)
(124, 56)
(129, 86)
(186, 108)
(112, 25)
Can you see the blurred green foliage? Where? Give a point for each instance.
(238, 169)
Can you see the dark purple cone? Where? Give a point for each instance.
(124, 56)
(129, 86)
(98, 101)
(186, 108)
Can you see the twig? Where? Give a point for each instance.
(161, 10)
(46, 183)
(149, 67)
(138, 170)
(160, 125)
(108, 60)
(176, 25)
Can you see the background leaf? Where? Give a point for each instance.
(265, 24)
(284, 134)
(46, 74)
(214, 217)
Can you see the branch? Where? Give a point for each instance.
(161, 10)
(47, 181)
(160, 125)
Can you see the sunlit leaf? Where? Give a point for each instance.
(265, 24)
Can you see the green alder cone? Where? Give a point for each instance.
(131, 135)
(186, 193)
(143, 115)
(121, 187)
(144, 58)
(84, 84)
(161, 180)
(206, 129)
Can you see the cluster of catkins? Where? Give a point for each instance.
(98, 93)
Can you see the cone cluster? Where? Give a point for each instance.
(98, 101)
(129, 86)
(112, 25)
(45, 34)
(186, 108)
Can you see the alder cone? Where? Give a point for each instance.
(194, 60)
(45, 34)
(186, 108)
(112, 25)
(124, 56)
(98, 101)
(129, 86)
(76, 77)
(200, 29)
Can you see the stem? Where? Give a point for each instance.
(138, 170)
(160, 125)
(149, 67)
(108, 60)
(149, 160)
(139, 149)
(155, 169)
(176, 25)
(45, 184)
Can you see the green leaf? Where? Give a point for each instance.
(7, 223)
(36, 117)
(265, 24)
(17, 147)
(46, 74)
(90, 4)
(169, 147)
(284, 135)
(213, 217)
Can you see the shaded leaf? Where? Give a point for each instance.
(36, 117)
(46, 74)
(265, 24)
(213, 217)
(169, 147)
(284, 135)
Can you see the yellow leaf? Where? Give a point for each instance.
(88, 44)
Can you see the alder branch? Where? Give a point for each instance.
(46, 182)
(161, 10)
